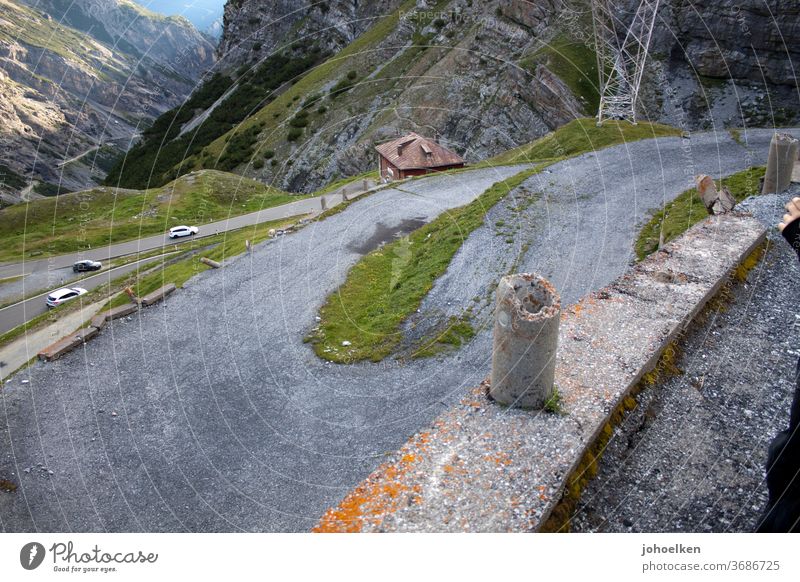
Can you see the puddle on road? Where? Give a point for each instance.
(384, 234)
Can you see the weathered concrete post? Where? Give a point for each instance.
(783, 150)
(324, 203)
(344, 194)
(527, 316)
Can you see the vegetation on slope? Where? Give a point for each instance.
(580, 136)
(687, 210)
(575, 63)
(161, 154)
(101, 216)
(389, 283)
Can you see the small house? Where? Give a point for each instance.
(414, 155)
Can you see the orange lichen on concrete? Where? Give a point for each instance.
(501, 458)
(380, 494)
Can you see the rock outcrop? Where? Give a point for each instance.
(72, 100)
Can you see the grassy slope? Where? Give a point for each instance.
(687, 209)
(389, 283)
(30, 28)
(102, 216)
(574, 63)
(580, 136)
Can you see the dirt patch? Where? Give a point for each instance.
(384, 234)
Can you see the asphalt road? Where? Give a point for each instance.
(225, 419)
(18, 313)
(304, 206)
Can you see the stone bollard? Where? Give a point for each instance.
(247, 246)
(715, 201)
(365, 185)
(783, 151)
(527, 316)
(344, 195)
(324, 203)
(211, 263)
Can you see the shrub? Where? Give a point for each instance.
(269, 154)
(294, 134)
(258, 164)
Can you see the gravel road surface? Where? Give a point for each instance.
(209, 413)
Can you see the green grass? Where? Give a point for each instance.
(102, 216)
(457, 332)
(574, 63)
(687, 210)
(388, 284)
(580, 136)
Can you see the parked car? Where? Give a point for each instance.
(60, 296)
(87, 265)
(178, 231)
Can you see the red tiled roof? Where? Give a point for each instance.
(417, 152)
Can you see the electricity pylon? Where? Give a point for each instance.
(621, 55)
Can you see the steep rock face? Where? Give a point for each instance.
(725, 63)
(70, 103)
(254, 29)
(171, 41)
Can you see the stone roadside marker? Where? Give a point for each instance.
(527, 316)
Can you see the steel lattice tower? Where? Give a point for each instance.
(621, 55)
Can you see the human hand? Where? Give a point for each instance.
(792, 213)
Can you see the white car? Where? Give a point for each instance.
(179, 231)
(58, 297)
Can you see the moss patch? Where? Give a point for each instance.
(575, 63)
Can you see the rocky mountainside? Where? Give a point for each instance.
(725, 63)
(482, 77)
(77, 80)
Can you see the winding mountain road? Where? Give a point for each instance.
(209, 413)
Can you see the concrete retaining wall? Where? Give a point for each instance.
(485, 467)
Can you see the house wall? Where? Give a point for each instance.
(385, 165)
(397, 174)
(422, 171)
